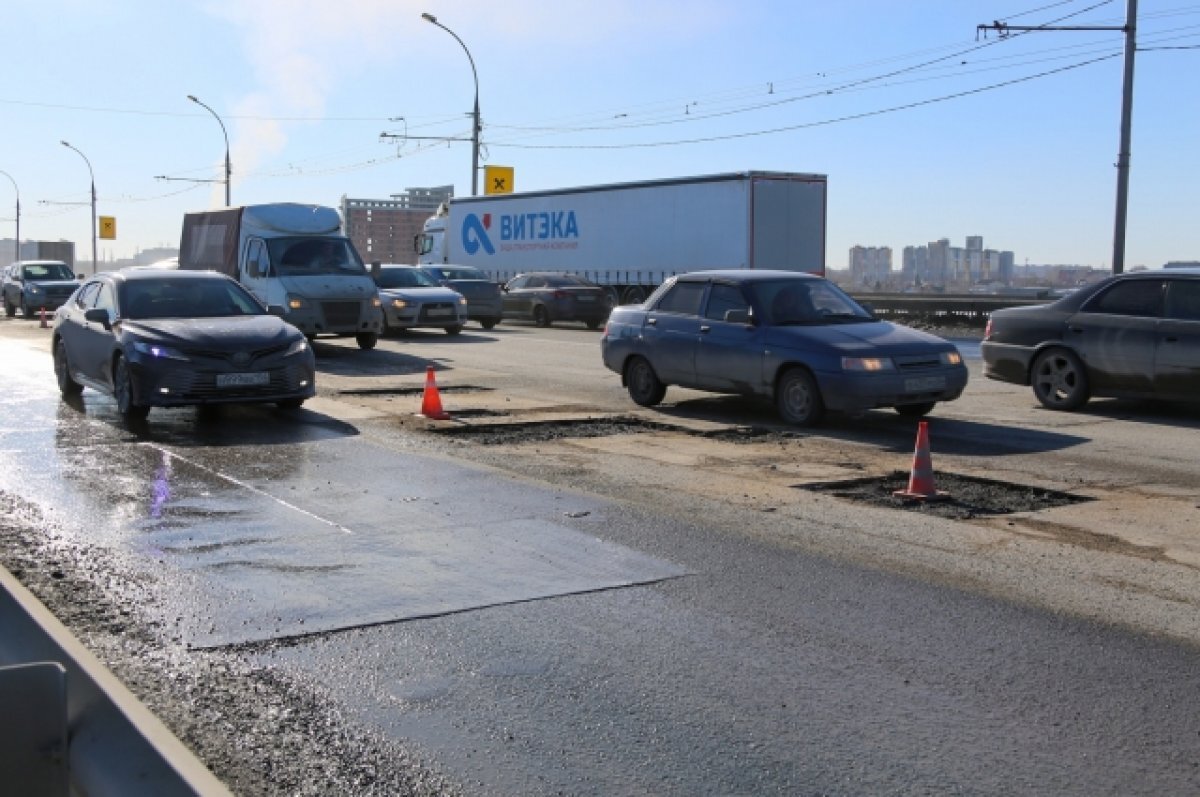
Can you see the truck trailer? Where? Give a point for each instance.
(295, 260)
(630, 237)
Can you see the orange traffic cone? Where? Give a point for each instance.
(920, 482)
(431, 402)
(44, 325)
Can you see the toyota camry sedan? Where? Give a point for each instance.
(1134, 335)
(794, 338)
(157, 338)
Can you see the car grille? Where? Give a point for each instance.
(229, 356)
(918, 362)
(339, 314)
(191, 385)
(59, 294)
(438, 311)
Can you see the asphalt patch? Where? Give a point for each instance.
(964, 496)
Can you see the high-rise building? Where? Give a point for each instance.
(870, 264)
(383, 230)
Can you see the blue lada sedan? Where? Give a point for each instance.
(794, 338)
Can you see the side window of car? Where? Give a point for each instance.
(684, 297)
(1183, 299)
(722, 299)
(535, 282)
(517, 282)
(107, 301)
(87, 295)
(1133, 298)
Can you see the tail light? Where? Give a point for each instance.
(987, 330)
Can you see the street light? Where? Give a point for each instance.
(224, 133)
(17, 248)
(93, 176)
(475, 114)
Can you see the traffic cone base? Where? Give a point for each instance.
(431, 401)
(920, 481)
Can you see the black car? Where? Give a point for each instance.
(159, 338)
(1134, 335)
(546, 297)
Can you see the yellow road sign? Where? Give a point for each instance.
(108, 227)
(497, 179)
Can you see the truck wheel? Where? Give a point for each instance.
(366, 340)
(643, 384)
(541, 316)
(634, 295)
(798, 399)
(614, 297)
(454, 329)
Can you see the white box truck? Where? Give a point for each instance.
(295, 260)
(629, 237)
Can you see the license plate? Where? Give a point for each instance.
(252, 379)
(924, 384)
(439, 311)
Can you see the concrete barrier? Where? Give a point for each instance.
(72, 727)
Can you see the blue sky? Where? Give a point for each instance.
(925, 128)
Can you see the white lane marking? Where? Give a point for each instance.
(250, 487)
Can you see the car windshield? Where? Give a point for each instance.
(187, 298)
(306, 257)
(404, 278)
(463, 273)
(805, 301)
(48, 271)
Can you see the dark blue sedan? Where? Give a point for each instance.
(794, 338)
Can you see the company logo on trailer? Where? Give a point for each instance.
(547, 230)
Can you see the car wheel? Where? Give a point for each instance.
(366, 340)
(488, 323)
(798, 399)
(123, 392)
(916, 410)
(454, 329)
(290, 404)
(10, 309)
(25, 311)
(62, 371)
(1059, 380)
(643, 384)
(541, 316)
(593, 324)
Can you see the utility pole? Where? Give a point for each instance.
(1130, 31)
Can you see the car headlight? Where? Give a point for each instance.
(951, 358)
(298, 346)
(462, 300)
(868, 364)
(376, 301)
(294, 302)
(158, 351)
(399, 304)
(35, 289)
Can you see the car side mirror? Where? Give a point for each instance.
(98, 315)
(741, 316)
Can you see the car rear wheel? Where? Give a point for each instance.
(643, 384)
(593, 324)
(454, 329)
(916, 410)
(62, 371)
(541, 316)
(798, 399)
(123, 392)
(1059, 380)
(366, 340)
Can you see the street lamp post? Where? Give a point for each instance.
(92, 174)
(475, 114)
(17, 248)
(224, 133)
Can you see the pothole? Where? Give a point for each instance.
(416, 390)
(965, 496)
(540, 431)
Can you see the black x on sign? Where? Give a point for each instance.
(497, 179)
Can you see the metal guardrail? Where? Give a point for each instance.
(960, 309)
(70, 726)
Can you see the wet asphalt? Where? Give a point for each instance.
(534, 640)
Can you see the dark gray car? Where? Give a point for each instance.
(37, 285)
(795, 338)
(483, 295)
